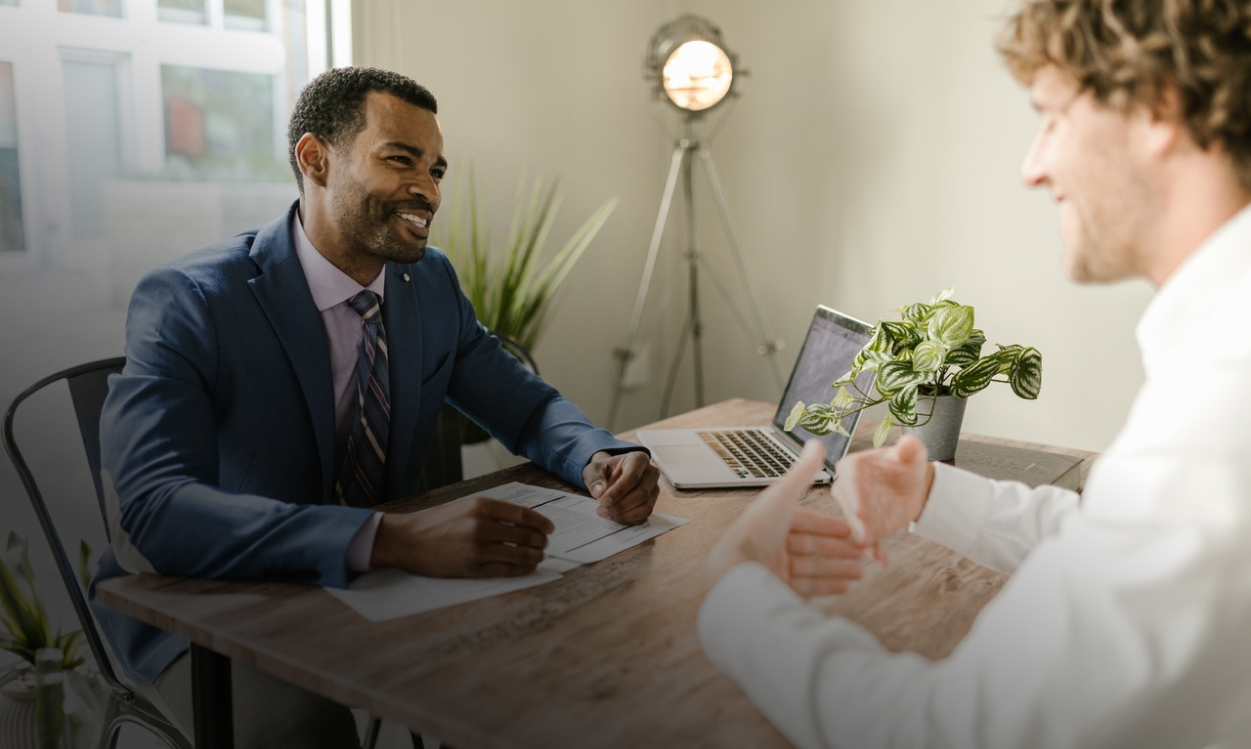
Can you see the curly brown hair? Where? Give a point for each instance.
(1127, 52)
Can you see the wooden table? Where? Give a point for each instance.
(606, 657)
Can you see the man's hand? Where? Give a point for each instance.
(881, 491)
(471, 537)
(626, 485)
(808, 550)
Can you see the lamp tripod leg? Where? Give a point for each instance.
(681, 155)
(768, 346)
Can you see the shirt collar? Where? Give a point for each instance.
(1195, 291)
(329, 285)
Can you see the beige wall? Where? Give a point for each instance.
(872, 159)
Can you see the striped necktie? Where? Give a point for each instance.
(362, 478)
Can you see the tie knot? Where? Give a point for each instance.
(368, 306)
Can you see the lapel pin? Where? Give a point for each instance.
(405, 277)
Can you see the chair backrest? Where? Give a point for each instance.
(88, 386)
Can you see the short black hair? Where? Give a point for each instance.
(332, 106)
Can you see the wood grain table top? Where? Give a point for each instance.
(608, 656)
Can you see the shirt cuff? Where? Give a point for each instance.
(361, 550)
(957, 505)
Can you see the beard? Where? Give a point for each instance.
(369, 223)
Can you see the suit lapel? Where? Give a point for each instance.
(401, 314)
(282, 291)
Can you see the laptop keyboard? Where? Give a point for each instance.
(748, 452)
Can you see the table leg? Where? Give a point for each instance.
(210, 695)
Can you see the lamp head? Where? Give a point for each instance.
(689, 65)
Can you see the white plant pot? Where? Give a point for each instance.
(17, 719)
(941, 433)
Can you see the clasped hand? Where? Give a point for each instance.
(814, 553)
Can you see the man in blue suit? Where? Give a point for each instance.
(263, 408)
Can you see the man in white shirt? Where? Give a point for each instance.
(1126, 621)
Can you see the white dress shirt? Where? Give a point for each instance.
(1127, 619)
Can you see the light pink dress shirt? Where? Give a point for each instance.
(332, 288)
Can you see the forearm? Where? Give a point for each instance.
(993, 523)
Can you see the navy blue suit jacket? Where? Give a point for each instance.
(219, 437)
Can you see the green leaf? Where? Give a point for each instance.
(843, 399)
(13, 671)
(516, 298)
(818, 418)
(975, 377)
(1025, 376)
(1007, 356)
(928, 356)
(943, 295)
(882, 432)
(915, 313)
(897, 375)
(967, 352)
(792, 419)
(951, 326)
(903, 406)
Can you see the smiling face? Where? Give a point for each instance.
(1089, 156)
(382, 189)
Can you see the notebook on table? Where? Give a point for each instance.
(756, 456)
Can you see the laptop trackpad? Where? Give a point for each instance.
(679, 454)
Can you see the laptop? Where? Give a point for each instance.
(756, 456)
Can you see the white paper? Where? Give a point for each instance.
(389, 594)
(581, 537)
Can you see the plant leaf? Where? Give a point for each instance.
(928, 356)
(903, 406)
(943, 295)
(1025, 376)
(975, 377)
(792, 419)
(967, 352)
(896, 375)
(951, 326)
(882, 432)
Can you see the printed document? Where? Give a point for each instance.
(581, 537)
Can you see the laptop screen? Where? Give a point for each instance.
(832, 343)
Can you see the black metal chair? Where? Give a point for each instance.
(88, 385)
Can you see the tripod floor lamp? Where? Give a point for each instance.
(692, 70)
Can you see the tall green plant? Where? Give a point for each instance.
(932, 350)
(512, 290)
(48, 656)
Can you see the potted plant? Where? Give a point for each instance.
(49, 689)
(926, 365)
(512, 290)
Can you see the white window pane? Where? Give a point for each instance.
(91, 7)
(93, 141)
(219, 125)
(182, 11)
(245, 14)
(12, 229)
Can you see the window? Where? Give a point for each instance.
(93, 137)
(245, 14)
(182, 11)
(12, 228)
(91, 7)
(114, 98)
(219, 125)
